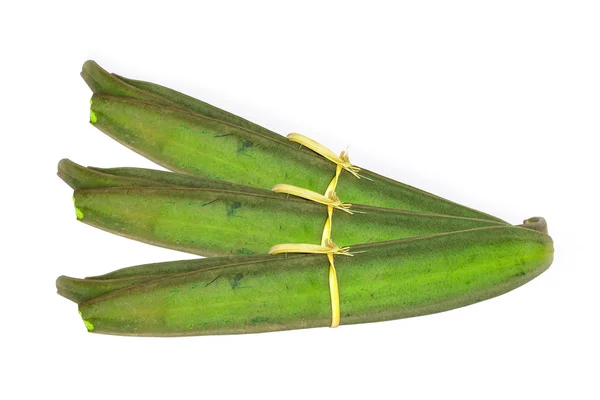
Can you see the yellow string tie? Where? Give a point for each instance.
(331, 200)
(342, 160)
(329, 249)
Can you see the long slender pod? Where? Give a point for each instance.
(195, 138)
(382, 281)
(212, 222)
(205, 221)
(79, 177)
(80, 290)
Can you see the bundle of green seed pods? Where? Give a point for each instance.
(414, 253)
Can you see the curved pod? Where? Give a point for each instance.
(383, 281)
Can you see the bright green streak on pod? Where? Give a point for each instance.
(78, 212)
(213, 222)
(187, 135)
(88, 325)
(405, 278)
(93, 117)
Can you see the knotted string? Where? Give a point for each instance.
(331, 200)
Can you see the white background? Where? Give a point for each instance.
(491, 104)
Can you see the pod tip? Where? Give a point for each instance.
(88, 324)
(89, 64)
(537, 224)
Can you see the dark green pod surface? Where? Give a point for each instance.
(79, 290)
(102, 82)
(212, 222)
(383, 281)
(79, 177)
(179, 100)
(157, 270)
(192, 137)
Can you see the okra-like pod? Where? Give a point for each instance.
(382, 281)
(213, 222)
(79, 177)
(206, 217)
(80, 290)
(192, 137)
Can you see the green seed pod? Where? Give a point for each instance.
(192, 137)
(212, 222)
(204, 221)
(382, 281)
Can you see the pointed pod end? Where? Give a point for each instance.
(537, 224)
(89, 65)
(64, 288)
(70, 172)
(92, 74)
